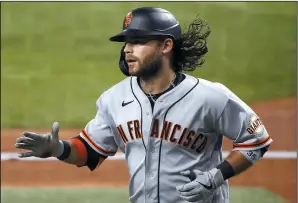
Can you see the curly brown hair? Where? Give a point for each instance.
(190, 49)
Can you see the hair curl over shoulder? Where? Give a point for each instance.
(190, 49)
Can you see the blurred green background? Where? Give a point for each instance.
(57, 59)
(104, 195)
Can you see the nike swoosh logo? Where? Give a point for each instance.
(125, 103)
(208, 187)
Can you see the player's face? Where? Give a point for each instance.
(143, 56)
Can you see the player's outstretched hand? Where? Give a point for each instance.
(41, 145)
(201, 185)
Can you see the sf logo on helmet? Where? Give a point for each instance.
(128, 19)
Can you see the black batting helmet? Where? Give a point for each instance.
(146, 22)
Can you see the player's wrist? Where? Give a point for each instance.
(217, 176)
(63, 150)
(226, 169)
(58, 149)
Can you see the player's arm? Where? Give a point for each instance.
(250, 138)
(240, 160)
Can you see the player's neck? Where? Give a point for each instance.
(160, 83)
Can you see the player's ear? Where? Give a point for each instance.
(168, 45)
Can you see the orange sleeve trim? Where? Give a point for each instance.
(81, 151)
(252, 144)
(95, 145)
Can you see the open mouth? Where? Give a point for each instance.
(131, 60)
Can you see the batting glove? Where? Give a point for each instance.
(41, 145)
(202, 184)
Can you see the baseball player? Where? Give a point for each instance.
(170, 125)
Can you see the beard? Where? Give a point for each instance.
(149, 68)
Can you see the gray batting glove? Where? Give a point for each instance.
(41, 145)
(202, 185)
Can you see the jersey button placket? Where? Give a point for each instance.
(151, 196)
(151, 174)
(148, 108)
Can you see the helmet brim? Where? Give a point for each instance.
(131, 33)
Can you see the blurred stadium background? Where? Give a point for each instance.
(56, 60)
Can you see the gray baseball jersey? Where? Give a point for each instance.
(183, 131)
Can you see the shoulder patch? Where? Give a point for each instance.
(255, 125)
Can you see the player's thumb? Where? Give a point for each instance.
(185, 173)
(189, 173)
(55, 130)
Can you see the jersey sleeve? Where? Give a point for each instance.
(98, 134)
(242, 125)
